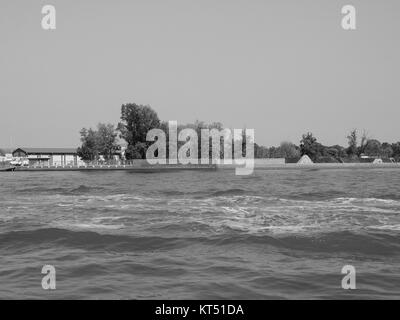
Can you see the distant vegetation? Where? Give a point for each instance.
(357, 146)
(101, 141)
(137, 120)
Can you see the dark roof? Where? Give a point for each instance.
(48, 150)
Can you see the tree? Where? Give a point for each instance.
(260, 151)
(289, 150)
(387, 150)
(352, 141)
(340, 151)
(396, 150)
(88, 151)
(102, 141)
(364, 140)
(198, 126)
(373, 148)
(136, 122)
(107, 140)
(137, 151)
(309, 146)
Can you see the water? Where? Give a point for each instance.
(201, 235)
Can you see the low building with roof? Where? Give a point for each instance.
(49, 156)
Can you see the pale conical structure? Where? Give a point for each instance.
(377, 161)
(305, 159)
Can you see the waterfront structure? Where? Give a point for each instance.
(48, 156)
(54, 157)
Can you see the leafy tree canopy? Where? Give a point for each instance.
(136, 122)
(102, 141)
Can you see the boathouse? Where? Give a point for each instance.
(48, 156)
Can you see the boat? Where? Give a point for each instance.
(8, 169)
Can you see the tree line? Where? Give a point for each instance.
(358, 146)
(137, 120)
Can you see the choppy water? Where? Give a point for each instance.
(201, 235)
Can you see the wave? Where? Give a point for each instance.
(40, 189)
(83, 189)
(317, 195)
(90, 240)
(202, 194)
(211, 216)
(368, 243)
(229, 192)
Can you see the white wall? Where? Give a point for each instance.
(81, 162)
(56, 160)
(69, 160)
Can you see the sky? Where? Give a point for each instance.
(280, 67)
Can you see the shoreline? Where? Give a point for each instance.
(169, 168)
(118, 168)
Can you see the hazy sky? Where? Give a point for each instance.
(281, 67)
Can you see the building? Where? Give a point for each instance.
(54, 157)
(48, 156)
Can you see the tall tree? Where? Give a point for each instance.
(136, 122)
(309, 146)
(373, 148)
(289, 150)
(88, 151)
(95, 143)
(107, 140)
(352, 141)
(396, 150)
(363, 143)
(387, 150)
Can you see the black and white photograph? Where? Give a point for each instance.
(187, 150)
